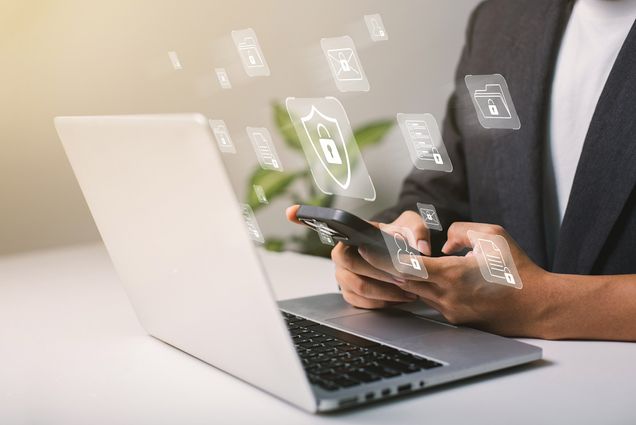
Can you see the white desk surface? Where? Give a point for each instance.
(72, 352)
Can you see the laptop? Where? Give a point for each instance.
(162, 201)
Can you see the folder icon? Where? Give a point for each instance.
(492, 102)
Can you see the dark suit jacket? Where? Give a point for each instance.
(498, 174)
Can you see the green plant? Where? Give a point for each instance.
(277, 184)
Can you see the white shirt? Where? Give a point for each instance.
(592, 40)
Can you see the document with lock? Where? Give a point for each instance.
(495, 259)
(424, 142)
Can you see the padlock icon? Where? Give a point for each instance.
(437, 157)
(492, 107)
(328, 145)
(377, 29)
(414, 263)
(509, 277)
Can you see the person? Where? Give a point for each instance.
(560, 190)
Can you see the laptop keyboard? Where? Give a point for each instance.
(334, 359)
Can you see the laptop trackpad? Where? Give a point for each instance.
(388, 325)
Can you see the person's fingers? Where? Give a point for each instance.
(370, 288)
(361, 302)
(441, 271)
(458, 234)
(423, 289)
(291, 212)
(349, 258)
(413, 221)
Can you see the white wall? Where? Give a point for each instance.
(71, 57)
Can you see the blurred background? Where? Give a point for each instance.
(72, 57)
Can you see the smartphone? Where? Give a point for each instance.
(343, 227)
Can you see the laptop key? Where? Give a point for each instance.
(364, 376)
(345, 382)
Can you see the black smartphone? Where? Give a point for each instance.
(342, 226)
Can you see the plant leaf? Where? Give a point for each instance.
(274, 244)
(372, 133)
(274, 184)
(285, 126)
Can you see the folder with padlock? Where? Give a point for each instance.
(492, 102)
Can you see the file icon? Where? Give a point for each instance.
(492, 101)
(494, 258)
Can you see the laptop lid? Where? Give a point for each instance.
(166, 211)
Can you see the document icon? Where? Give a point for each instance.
(494, 258)
(344, 64)
(251, 224)
(492, 101)
(377, 32)
(264, 148)
(424, 142)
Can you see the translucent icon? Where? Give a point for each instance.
(399, 242)
(424, 142)
(325, 234)
(224, 79)
(492, 101)
(494, 259)
(330, 147)
(344, 64)
(429, 215)
(260, 194)
(174, 60)
(264, 148)
(222, 136)
(250, 52)
(376, 27)
(252, 225)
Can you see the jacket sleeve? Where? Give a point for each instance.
(448, 192)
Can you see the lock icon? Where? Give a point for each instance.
(509, 277)
(492, 107)
(328, 145)
(414, 263)
(437, 157)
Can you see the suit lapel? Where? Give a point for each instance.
(606, 173)
(518, 156)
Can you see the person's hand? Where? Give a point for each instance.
(456, 288)
(364, 285)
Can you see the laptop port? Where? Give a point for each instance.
(345, 402)
(404, 388)
(369, 396)
(386, 392)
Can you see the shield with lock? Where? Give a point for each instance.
(329, 144)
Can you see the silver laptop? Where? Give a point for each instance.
(164, 206)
